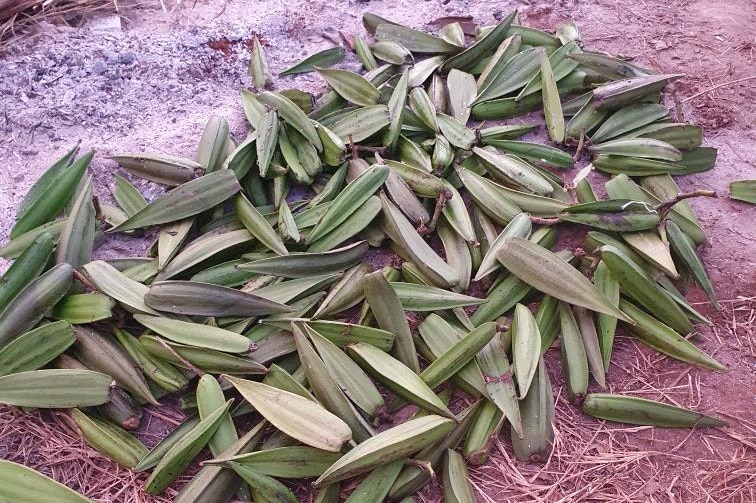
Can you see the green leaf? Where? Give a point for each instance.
(321, 59)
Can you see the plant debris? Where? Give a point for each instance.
(255, 300)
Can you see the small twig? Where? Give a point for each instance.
(544, 221)
(219, 14)
(422, 229)
(678, 105)
(595, 259)
(570, 186)
(718, 86)
(330, 38)
(423, 465)
(571, 189)
(183, 360)
(581, 142)
(84, 281)
(444, 196)
(664, 207)
(353, 148)
(347, 40)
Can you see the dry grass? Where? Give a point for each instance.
(738, 322)
(46, 442)
(589, 461)
(18, 18)
(600, 461)
(592, 460)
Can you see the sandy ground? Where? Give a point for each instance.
(152, 85)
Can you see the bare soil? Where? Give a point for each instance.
(152, 85)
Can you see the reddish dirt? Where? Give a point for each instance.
(710, 42)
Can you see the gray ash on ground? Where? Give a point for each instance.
(79, 87)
